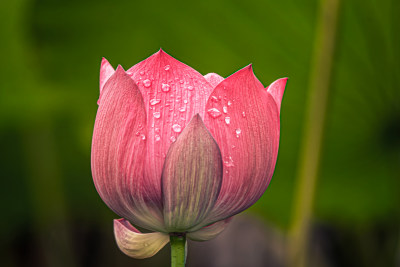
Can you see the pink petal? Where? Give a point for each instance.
(210, 231)
(191, 178)
(276, 89)
(214, 79)
(245, 123)
(118, 149)
(136, 244)
(106, 70)
(173, 93)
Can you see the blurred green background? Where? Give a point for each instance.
(50, 57)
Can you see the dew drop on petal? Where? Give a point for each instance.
(143, 137)
(154, 101)
(238, 132)
(137, 133)
(147, 83)
(225, 109)
(214, 98)
(190, 87)
(167, 67)
(182, 109)
(213, 112)
(177, 128)
(229, 162)
(244, 114)
(185, 101)
(229, 103)
(157, 137)
(141, 72)
(165, 87)
(172, 138)
(157, 115)
(227, 120)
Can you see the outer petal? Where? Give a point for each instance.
(245, 123)
(118, 149)
(173, 93)
(191, 178)
(276, 89)
(136, 244)
(106, 70)
(210, 231)
(214, 79)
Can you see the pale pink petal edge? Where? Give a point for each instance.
(136, 244)
(276, 90)
(210, 231)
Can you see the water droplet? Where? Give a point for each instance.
(215, 113)
(157, 130)
(182, 109)
(172, 138)
(137, 133)
(165, 87)
(143, 137)
(225, 109)
(229, 103)
(141, 72)
(229, 162)
(214, 98)
(233, 146)
(147, 83)
(238, 132)
(177, 128)
(154, 101)
(185, 101)
(157, 137)
(227, 120)
(157, 115)
(244, 114)
(181, 81)
(190, 88)
(167, 67)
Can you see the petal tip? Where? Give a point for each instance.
(276, 90)
(120, 69)
(197, 118)
(247, 69)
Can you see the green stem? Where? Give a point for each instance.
(311, 147)
(178, 250)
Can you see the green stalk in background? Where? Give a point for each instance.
(310, 154)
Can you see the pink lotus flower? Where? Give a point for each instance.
(177, 152)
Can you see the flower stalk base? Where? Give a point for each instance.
(178, 250)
